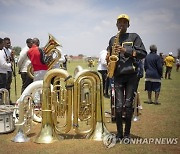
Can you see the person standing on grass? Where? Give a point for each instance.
(10, 59)
(4, 66)
(129, 48)
(102, 68)
(162, 62)
(35, 57)
(153, 74)
(177, 64)
(169, 61)
(23, 63)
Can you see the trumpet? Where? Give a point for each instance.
(50, 51)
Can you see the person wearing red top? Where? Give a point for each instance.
(40, 69)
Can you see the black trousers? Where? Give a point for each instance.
(26, 80)
(9, 81)
(3, 81)
(124, 93)
(105, 81)
(168, 72)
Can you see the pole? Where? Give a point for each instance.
(14, 74)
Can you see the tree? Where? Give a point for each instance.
(81, 55)
(17, 50)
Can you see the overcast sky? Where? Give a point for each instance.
(85, 26)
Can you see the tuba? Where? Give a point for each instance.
(88, 105)
(57, 104)
(50, 51)
(34, 90)
(71, 102)
(113, 58)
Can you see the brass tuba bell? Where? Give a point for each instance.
(25, 119)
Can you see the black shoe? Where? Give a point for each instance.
(157, 103)
(118, 138)
(150, 102)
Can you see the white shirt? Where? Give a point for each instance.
(102, 63)
(4, 66)
(177, 61)
(23, 61)
(8, 53)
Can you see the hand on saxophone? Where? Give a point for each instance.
(119, 49)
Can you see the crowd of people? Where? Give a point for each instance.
(31, 56)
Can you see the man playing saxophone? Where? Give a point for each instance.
(128, 48)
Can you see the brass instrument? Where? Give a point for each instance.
(91, 63)
(136, 107)
(113, 58)
(88, 105)
(77, 69)
(50, 51)
(5, 97)
(24, 123)
(57, 103)
(34, 90)
(86, 114)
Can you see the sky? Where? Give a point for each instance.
(86, 26)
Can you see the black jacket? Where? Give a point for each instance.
(127, 63)
(153, 66)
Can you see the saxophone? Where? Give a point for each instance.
(113, 58)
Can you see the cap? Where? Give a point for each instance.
(125, 16)
(170, 53)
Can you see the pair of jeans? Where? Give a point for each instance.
(124, 93)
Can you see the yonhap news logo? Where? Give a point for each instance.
(149, 141)
(110, 141)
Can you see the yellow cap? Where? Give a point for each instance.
(125, 16)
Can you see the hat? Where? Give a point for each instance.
(125, 16)
(170, 53)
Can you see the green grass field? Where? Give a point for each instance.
(156, 121)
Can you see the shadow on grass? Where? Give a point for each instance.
(132, 135)
(71, 136)
(146, 102)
